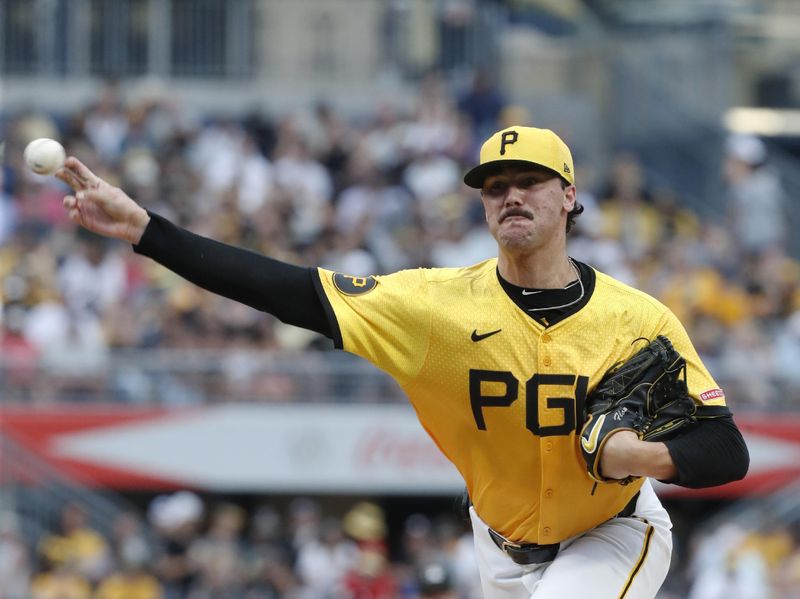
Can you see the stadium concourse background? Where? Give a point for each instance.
(159, 440)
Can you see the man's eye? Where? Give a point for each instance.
(495, 188)
(527, 182)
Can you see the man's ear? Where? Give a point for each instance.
(570, 195)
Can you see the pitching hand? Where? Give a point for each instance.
(626, 455)
(99, 206)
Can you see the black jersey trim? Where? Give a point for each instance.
(336, 332)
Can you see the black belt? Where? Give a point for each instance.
(526, 554)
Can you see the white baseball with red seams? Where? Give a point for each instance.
(45, 156)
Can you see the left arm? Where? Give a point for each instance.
(709, 454)
(713, 453)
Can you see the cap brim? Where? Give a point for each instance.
(476, 176)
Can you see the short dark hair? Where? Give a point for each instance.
(577, 209)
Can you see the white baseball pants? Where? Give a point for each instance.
(622, 558)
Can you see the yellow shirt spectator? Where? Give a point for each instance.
(61, 583)
(129, 585)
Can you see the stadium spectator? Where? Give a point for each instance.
(77, 550)
(626, 210)
(20, 355)
(92, 278)
(176, 519)
(63, 581)
(8, 211)
(371, 577)
(130, 581)
(306, 181)
(322, 563)
(482, 103)
(756, 199)
(303, 522)
(15, 563)
(105, 124)
(218, 554)
(128, 540)
(434, 581)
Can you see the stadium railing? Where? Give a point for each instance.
(181, 377)
(190, 377)
(36, 493)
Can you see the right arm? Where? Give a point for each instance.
(283, 290)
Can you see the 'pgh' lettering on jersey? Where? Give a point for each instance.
(501, 395)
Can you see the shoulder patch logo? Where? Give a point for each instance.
(711, 394)
(350, 285)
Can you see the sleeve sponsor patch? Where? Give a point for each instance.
(351, 285)
(711, 394)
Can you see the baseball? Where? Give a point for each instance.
(45, 156)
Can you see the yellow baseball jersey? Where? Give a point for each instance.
(501, 395)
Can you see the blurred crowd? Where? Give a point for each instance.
(186, 548)
(737, 561)
(182, 546)
(364, 195)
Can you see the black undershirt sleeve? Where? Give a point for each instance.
(284, 290)
(709, 454)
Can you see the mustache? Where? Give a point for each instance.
(515, 212)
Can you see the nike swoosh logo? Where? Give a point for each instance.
(590, 444)
(476, 337)
(526, 292)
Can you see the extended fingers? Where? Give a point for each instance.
(83, 173)
(69, 177)
(80, 173)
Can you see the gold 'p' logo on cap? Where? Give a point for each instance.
(508, 138)
(518, 143)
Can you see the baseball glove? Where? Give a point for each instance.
(646, 394)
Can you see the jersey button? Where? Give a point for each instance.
(546, 338)
(547, 361)
(546, 531)
(548, 447)
(548, 493)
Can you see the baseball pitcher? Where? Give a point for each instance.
(555, 390)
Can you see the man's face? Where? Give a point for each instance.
(526, 206)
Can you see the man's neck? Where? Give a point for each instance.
(537, 270)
